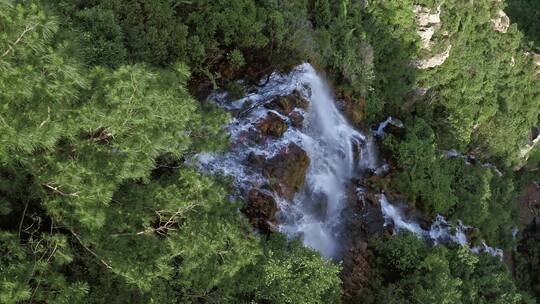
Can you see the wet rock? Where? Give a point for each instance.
(260, 209)
(371, 188)
(297, 119)
(255, 160)
(287, 170)
(356, 274)
(319, 205)
(272, 125)
(354, 109)
(395, 128)
(247, 136)
(286, 104)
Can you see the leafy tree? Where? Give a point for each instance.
(437, 275)
(526, 13)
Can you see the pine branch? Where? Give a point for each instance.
(22, 217)
(29, 27)
(90, 250)
(57, 190)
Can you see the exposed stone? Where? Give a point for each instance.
(428, 23)
(297, 119)
(364, 3)
(413, 97)
(536, 59)
(286, 104)
(260, 209)
(434, 61)
(272, 125)
(367, 53)
(354, 109)
(356, 274)
(501, 23)
(255, 160)
(525, 151)
(287, 170)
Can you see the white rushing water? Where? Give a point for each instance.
(331, 144)
(337, 152)
(440, 232)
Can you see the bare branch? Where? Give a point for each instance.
(90, 251)
(29, 27)
(22, 217)
(57, 190)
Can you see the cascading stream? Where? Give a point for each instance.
(337, 152)
(332, 145)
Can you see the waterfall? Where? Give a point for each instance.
(331, 144)
(336, 150)
(338, 153)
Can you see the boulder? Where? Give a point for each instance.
(297, 119)
(354, 109)
(272, 125)
(287, 170)
(260, 209)
(356, 274)
(255, 160)
(286, 104)
(432, 62)
(428, 22)
(501, 23)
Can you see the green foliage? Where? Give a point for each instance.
(526, 14)
(292, 273)
(486, 90)
(419, 274)
(101, 38)
(436, 184)
(527, 257)
(391, 30)
(33, 271)
(96, 204)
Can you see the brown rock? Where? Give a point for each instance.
(356, 274)
(260, 209)
(287, 170)
(354, 109)
(286, 104)
(297, 120)
(272, 125)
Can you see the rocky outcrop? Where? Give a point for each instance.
(413, 97)
(501, 23)
(536, 59)
(525, 151)
(354, 109)
(428, 23)
(287, 170)
(297, 119)
(260, 209)
(272, 125)
(356, 273)
(434, 61)
(286, 104)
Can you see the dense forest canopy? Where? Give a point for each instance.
(102, 102)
